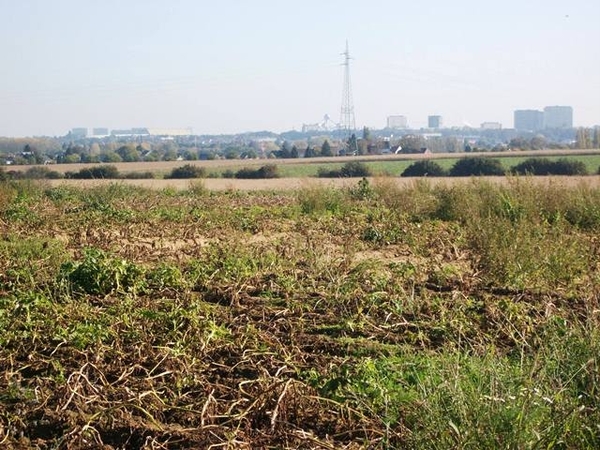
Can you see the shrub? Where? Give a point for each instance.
(268, 171)
(187, 171)
(566, 166)
(138, 175)
(477, 166)
(98, 172)
(40, 172)
(424, 168)
(352, 169)
(355, 169)
(533, 166)
(544, 166)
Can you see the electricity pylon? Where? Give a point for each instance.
(347, 119)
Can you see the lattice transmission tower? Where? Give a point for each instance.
(347, 119)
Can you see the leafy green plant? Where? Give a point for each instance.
(101, 274)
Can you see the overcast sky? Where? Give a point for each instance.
(231, 66)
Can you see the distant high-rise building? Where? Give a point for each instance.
(100, 132)
(434, 121)
(397, 122)
(79, 133)
(558, 117)
(529, 120)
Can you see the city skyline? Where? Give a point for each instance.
(234, 67)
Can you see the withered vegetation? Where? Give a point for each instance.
(375, 316)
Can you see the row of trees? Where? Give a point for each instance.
(587, 138)
(42, 150)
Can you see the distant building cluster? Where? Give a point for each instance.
(551, 117)
(434, 122)
(491, 126)
(99, 133)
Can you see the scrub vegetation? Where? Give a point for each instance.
(372, 316)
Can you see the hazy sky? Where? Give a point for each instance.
(232, 66)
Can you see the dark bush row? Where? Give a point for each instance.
(477, 166)
(348, 170)
(187, 171)
(268, 171)
(543, 166)
(34, 173)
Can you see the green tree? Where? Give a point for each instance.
(326, 149)
(128, 153)
(286, 151)
(538, 143)
(411, 143)
(366, 134)
(294, 152)
(32, 154)
(310, 152)
(583, 139)
(596, 140)
(352, 145)
(111, 157)
(72, 158)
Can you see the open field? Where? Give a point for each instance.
(279, 184)
(375, 314)
(303, 167)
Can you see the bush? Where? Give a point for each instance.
(355, 169)
(268, 171)
(138, 175)
(566, 166)
(477, 166)
(187, 171)
(352, 169)
(424, 168)
(98, 172)
(533, 166)
(40, 172)
(544, 166)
